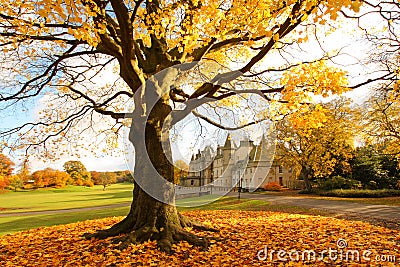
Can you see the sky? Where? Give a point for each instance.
(344, 37)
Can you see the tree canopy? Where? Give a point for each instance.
(78, 173)
(382, 121)
(63, 49)
(6, 166)
(315, 151)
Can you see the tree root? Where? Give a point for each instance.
(123, 227)
(165, 236)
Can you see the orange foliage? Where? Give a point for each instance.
(50, 177)
(273, 186)
(3, 182)
(242, 234)
(6, 166)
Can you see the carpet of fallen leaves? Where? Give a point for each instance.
(242, 235)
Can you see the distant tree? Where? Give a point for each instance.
(79, 174)
(180, 170)
(107, 178)
(39, 178)
(95, 177)
(16, 181)
(382, 119)
(3, 182)
(24, 172)
(50, 177)
(374, 169)
(124, 177)
(6, 166)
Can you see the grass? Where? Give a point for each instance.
(224, 203)
(93, 197)
(14, 224)
(64, 198)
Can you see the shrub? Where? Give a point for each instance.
(337, 182)
(88, 183)
(273, 186)
(361, 193)
(309, 192)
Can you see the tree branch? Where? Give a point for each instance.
(207, 119)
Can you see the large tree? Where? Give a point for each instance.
(59, 51)
(382, 119)
(315, 148)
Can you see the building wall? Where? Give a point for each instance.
(224, 167)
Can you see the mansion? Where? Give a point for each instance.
(247, 166)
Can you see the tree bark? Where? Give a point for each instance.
(305, 173)
(150, 218)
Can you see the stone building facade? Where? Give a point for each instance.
(230, 167)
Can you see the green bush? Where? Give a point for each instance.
(337, 182)
(273, 186)
(351, 193)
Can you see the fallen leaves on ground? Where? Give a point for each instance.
(246, 238)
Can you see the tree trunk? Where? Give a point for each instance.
(152, 218)
(305, 173)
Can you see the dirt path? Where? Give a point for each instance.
(369, 210)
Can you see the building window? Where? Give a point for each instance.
(280, 169)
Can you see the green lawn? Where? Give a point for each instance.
(64, 198)
(14, 224)
(90, 197)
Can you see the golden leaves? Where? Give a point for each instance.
(320, 137)
(42, 20)
(242, 235)
(317, 78)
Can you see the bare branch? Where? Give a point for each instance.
(207, 119)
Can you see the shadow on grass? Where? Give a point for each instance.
(98, 196)
(15, 224)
